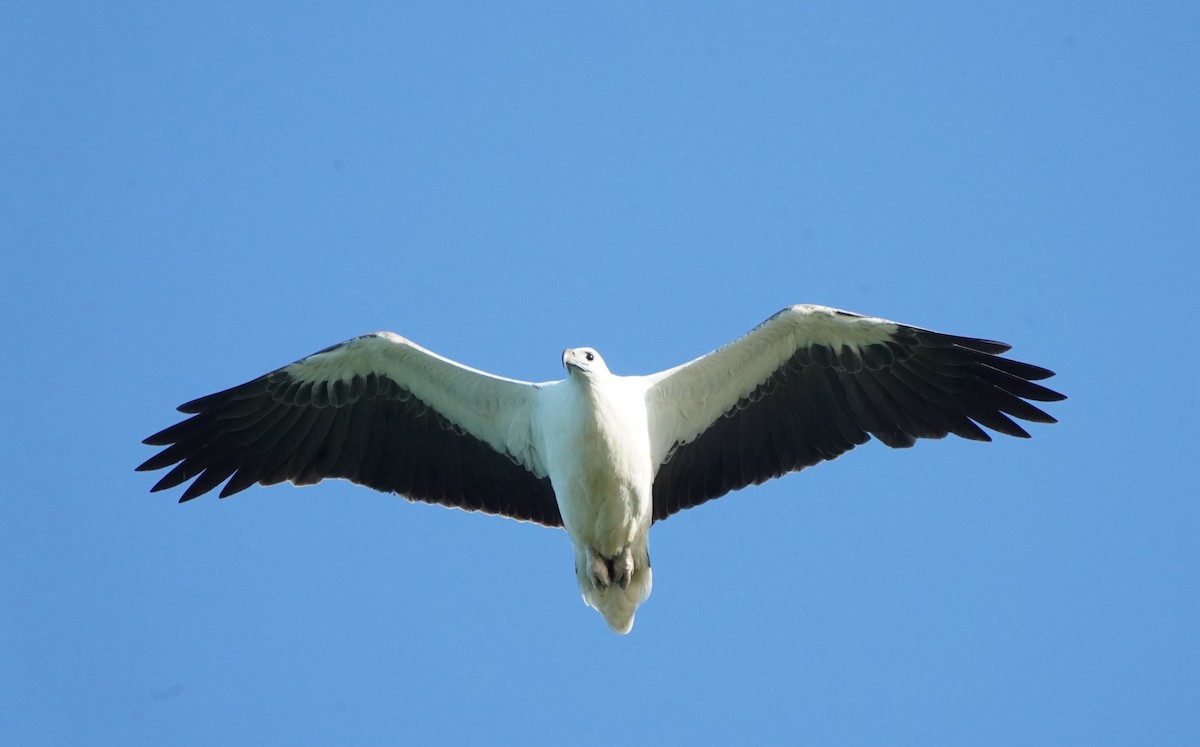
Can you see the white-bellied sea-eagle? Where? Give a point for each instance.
(601, 455)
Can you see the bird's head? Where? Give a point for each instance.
(583, 361)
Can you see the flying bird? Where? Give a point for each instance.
(601, 455)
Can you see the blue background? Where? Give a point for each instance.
(194, 194)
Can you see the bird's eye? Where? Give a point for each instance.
(589, 356)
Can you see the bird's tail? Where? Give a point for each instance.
(615, 603)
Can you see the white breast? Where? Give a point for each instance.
(597, 446)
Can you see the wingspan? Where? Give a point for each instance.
(811, 383)
(379, 411)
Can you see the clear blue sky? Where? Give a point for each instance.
(194, 194)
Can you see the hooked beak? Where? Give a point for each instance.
(569, 359)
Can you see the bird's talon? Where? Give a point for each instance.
(600, 576)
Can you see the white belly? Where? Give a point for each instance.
(603, 501)
(602, 474)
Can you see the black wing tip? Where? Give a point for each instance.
(157, 440)
(195, 490)
(982, 345)
(993, 357)
(170, 480)
(198, 405)
(207, 402)
(941, 339)
(166, 483)
(1038, 392)
(252, 388)
(1030, 372)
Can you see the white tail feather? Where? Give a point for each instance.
(618, 605)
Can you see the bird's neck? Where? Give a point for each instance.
(587, 387)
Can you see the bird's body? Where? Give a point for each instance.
(594, 432)
(602, 455)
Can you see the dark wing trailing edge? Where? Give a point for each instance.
(304, 423)
(825, 398)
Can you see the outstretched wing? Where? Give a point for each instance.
(377, 410)
(811, 383)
